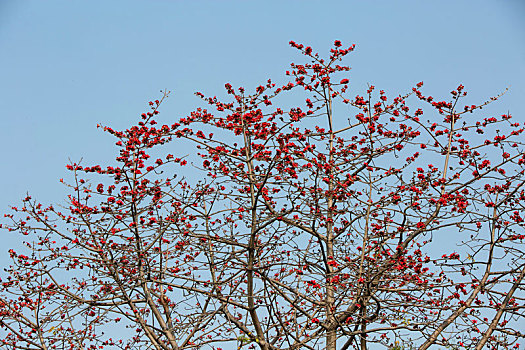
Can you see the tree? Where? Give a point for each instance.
(298, 228)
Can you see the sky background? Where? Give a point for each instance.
(67, 65)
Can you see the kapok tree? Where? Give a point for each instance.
(346, 222)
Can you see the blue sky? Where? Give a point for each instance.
(67, 65)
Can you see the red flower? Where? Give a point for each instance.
(333, 263)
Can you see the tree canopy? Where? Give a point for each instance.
(343, 221)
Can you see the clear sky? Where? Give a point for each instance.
(67, 65)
